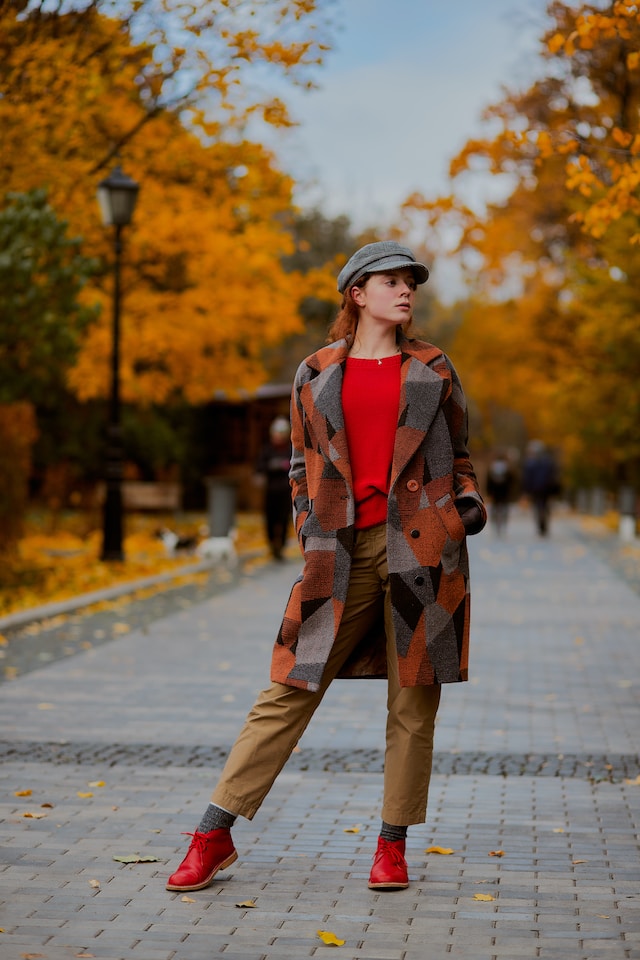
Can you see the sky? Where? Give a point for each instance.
(401, 92)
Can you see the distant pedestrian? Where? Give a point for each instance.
(500, 486)
(273, 465)
(540, 481)
(384, 495)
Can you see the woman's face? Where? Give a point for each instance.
(387, 297)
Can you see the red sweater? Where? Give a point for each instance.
(370, 401)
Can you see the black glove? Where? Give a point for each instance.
(470, 512)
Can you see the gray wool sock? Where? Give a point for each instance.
(390, 831)
(215, 818)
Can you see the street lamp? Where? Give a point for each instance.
(117, 196)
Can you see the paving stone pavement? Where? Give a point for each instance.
(537, 756)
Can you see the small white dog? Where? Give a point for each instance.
(218, 548)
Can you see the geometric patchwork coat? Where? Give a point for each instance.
(426, 544)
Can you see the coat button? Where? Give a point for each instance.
(413, 485)
(419, 581)
(415, 534)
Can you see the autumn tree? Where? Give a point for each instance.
(551, 320)
(204, 289)
(42, 315)
(42, 318)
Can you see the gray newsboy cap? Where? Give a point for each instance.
(378, 257)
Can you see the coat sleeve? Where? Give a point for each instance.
(298, 469)
(465, 482)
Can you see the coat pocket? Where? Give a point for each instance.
(450, 517)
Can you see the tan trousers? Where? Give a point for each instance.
(281, 713)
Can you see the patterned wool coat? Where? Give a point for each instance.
(426, 544)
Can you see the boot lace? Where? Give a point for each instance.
(199, 842)
(389, 849)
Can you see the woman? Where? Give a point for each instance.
(383, 495)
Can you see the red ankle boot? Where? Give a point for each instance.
(208, 853)
(389, 870)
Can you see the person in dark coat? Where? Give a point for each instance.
(384, 497)
(273, 466)
(540, 482)
(500, 484)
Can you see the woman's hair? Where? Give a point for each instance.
(346, 322)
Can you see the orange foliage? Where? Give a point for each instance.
(550, 330)
(203, 288)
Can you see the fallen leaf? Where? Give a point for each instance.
(46, 706)
(330, 938)
(558, 830)
(121, 628)
(445, 851)
(187, 899)
(83, 796)
(351, 830)
(246, 903)
(96, 783)
(95, 884)
(496, 853)
(603, 916)
(3, 641)
(483, 896)
(634, 783)
(135, 858)
(32, 956)
(34, 816)
(49, 806)
(579, 861)
(85, 954)
(23, 793)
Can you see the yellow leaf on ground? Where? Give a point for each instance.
(121, 628)
(634, 783)
(496, 853)
(95, 884)
(23, 793)
(83, 796)
(558, 830)
(483, 896)
(46, 706)
(603, 916)
(351, 830)
(96, 783)
(34, 816)
(330, 938)
(445, 851)
(187, 900)
(579, 861)
(135, 858)
(246, 903)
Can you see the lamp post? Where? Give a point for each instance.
(117, 196)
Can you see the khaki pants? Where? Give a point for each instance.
(281, 713)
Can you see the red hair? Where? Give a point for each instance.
(346, 322)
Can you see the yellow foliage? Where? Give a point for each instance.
(203, 289)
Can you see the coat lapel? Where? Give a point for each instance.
(421, 390)
(326, 414)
